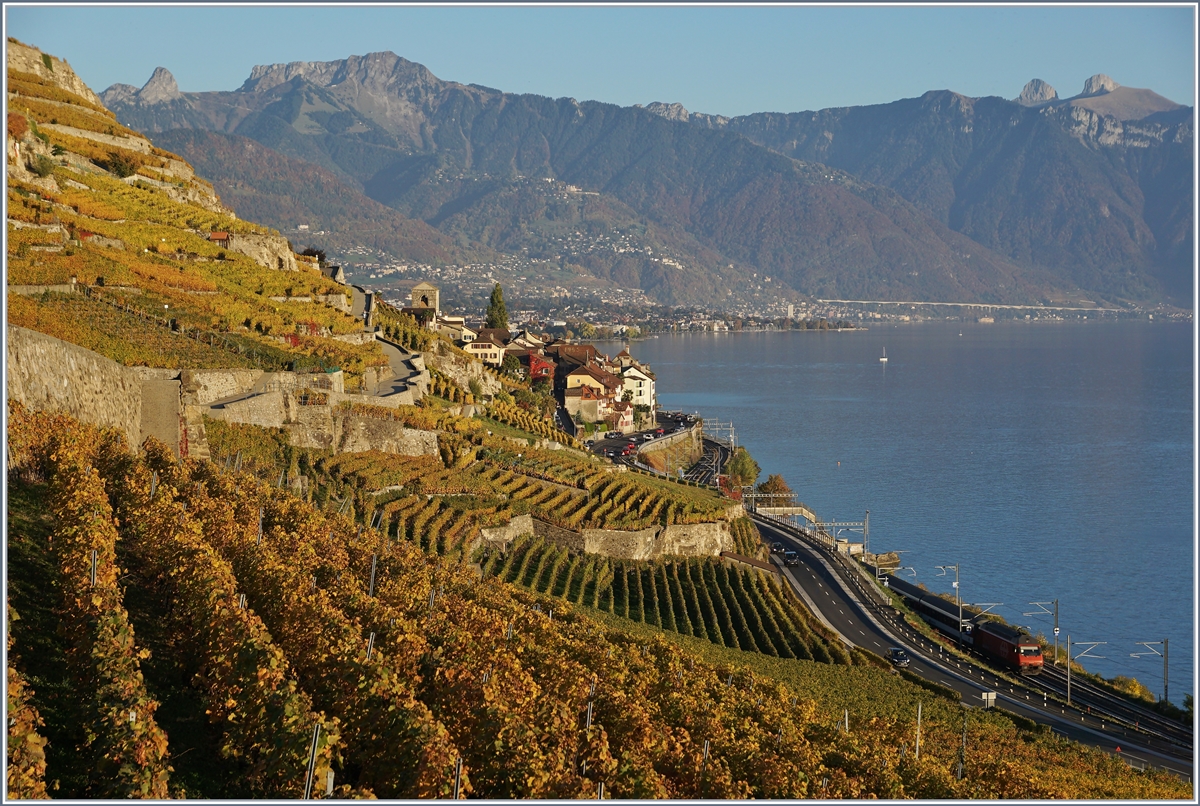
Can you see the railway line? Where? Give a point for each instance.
(851, 603)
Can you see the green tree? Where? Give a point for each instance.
(497, 314)
(741, 468)
(511, 365)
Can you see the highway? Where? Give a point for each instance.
(842, 599)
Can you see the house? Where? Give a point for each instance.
(425, 295)
(590, 405)
(424, 316)
(221, 239)
(454, 328)
(487, 349)
(598, 379)
(620, 419)
(536, 367)
(528, 340)
(639, 385)
(499, 335)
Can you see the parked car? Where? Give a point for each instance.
(791, 558)
(898, 657)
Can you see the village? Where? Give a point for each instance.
(595, 393)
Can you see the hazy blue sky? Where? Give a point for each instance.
(725, 60)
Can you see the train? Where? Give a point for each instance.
(1001, 643)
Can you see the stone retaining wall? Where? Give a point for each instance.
(49, 374)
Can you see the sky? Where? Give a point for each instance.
(718, 59)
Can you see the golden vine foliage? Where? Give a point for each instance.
(503, 679)
(131, 749)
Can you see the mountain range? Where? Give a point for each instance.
(942, 197)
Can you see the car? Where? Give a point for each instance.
(628, 450)
(898, 657)
(660, 431)
(791, 558)
(777, 547)
(610, 452)
(589, 443)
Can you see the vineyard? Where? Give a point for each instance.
(155, 252)
(700, 597)
(222, 639)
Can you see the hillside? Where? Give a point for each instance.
(726, 209)
(117, 232)
(252, 617)
(263, 185)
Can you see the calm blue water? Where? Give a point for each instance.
(1048, 460)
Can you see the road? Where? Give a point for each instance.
(850, 610)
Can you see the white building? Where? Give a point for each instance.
(640, 385)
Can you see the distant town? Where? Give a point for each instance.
(570, 305)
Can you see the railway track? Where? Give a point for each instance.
(1086, 695)
(1088, 701)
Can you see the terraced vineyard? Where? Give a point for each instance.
(130, 221)
(261, 624)
(701, 597)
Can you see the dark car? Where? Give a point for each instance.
(776, 547)
(898, 657)
(791, 558)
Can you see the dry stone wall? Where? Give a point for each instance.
(501, 537)
(48, 374)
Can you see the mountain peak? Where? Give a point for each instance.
(160, 89)
(382, 71)
(1037, 92)
(1099, 84)
(668, 111)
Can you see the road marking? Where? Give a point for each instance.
(860, 632)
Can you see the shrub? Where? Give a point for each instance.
(42, 166)
(18, 126)
(46, 61)
(120, 164)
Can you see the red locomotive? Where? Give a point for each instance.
(1011, 647)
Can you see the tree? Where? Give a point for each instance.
(775, 485)
(319, 254)
(497, 314)
(511, 365)
(741, 469)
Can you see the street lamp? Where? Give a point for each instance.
(957, 594)
(1084, 654)
(909, 568)
(1152, 651)
(1044, 611)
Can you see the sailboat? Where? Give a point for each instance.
(883, 360)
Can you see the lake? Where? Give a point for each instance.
(1049, 460)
